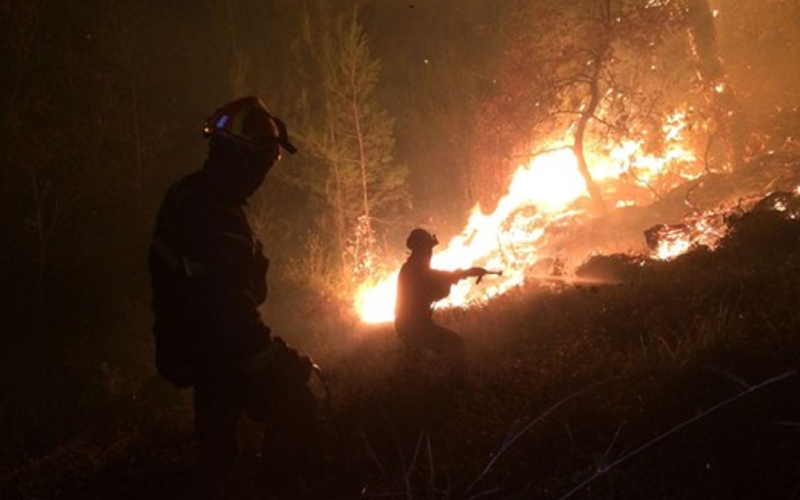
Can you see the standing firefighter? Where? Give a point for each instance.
(209, 277)
(418, 288)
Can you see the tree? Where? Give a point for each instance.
(435, 83)
(721, 96)
(582, 73)
(353, 138)
(42, 173)
(597, 55)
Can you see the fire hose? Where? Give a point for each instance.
(485, 272)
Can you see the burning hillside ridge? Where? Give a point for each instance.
(544, 225)
(546, 198)
(644, 148)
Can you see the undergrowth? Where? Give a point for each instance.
(673, 380)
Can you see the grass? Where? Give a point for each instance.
(676, 382)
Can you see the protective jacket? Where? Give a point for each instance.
(418, 288)
(208, 274)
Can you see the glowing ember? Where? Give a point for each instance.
(708, 228)
(670, 241)
(541, 195)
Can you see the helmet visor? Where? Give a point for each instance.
(248, 121)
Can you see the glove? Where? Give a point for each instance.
(273, 374)
(477, 271)
(474, 271)
(289, 367)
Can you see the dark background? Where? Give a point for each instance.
(101, 108)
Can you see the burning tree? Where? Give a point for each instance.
(605, 98)
(597, 106)
(591, 76)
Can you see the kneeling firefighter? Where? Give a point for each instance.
(419, 287)
(209, 275)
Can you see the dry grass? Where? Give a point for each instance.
(678, 382)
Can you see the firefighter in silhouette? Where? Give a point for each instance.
(418, 288)
(209, 275)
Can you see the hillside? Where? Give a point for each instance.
(647, 380)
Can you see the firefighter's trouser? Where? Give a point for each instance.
(289, 415)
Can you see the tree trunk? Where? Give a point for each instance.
(721, 97)
(598, 202)
(587, 113)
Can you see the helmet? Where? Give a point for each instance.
(248, 121)
(420, 239)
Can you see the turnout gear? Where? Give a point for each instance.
(285, 372)
(209, 277)
(419, 287)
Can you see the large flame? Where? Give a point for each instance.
(541, 195)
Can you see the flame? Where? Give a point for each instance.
(672, 246)
(375, 302)
(542, 194)
(708, 228)
(549, 183)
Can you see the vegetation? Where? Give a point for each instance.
(360, 187)
(582, 73)
(667, 379)
(671, 380)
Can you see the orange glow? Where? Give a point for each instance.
(541, 195)
(375, 302)
(704, 230)
(708, 228)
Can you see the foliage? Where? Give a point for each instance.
(352, 140)
(611, 388)
(585, 73)
(313, 268)
(101, 105)
(438, 65)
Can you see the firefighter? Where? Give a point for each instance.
(418, 288)
(209, 277)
